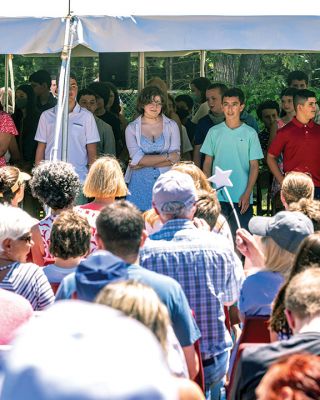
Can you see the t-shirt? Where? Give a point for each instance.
(55, 274)
(82, 130)
(258, 292)
(300, 145)
(29, 281)
(169, 292)
(233, 149)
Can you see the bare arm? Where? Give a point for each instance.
(14, 150)
(196, 155)
(92, 152)
(157, 160)
(37, 250)
(192, 360)
(40, 152)
(207, 166)
(244, 200)
(5, 139)
(273, 165)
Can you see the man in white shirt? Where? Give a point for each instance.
(83, 134)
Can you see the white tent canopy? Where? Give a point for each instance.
(38, 27)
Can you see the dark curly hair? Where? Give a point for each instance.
(55, 184)
(147, 95)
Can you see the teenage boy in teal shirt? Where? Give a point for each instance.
(233, 145)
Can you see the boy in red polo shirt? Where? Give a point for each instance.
(298, 141)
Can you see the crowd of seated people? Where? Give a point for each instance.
(130, 222)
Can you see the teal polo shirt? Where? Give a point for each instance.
(233, 149)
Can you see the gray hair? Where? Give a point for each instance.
(176, 209)
(14, 223)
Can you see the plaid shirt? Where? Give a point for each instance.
(209, 272)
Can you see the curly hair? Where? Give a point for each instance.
(147, 95)
(55, 184)
(309, 207)
(70, 235)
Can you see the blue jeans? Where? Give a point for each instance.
(214, 375)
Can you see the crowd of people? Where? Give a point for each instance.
(130, 222)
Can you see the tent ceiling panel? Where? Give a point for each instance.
(132, 34)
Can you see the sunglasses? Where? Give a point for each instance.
(26, 238)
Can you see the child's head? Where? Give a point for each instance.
(234, 92)
(296, 186)
(152, 221)
(199, 178)
(55, 184)
(70, 236)
(297, 80)
(268, 112)
(208, 207)
(287, 95)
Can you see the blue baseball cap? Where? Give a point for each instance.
(286, 228)
(173, 191)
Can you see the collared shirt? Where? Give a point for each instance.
(207, 269)
(82, 130)
(300, 145)
(233, 149)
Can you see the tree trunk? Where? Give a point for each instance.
(249, 67)
(225, 68)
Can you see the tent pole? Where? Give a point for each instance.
(6, 83)
(62, 117)
(141, 72)
(13, 99)
(203, 63)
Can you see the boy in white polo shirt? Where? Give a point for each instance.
(83, 134)
(234, 145)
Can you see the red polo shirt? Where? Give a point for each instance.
(300, 145)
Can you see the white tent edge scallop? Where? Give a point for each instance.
(33, 28)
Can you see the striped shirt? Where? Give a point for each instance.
(29, 281)
(209, 272)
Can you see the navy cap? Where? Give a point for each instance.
(286, 228)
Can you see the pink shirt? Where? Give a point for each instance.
(6, 126)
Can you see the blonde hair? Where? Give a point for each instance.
(277, 259)
(309, 207)
(105, 179)
(297, 185)
(138, 301)
(199, 178)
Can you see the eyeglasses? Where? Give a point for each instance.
(26, 238)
